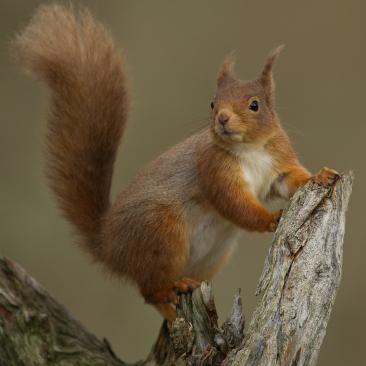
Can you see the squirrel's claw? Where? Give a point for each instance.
(185, 285)
(326, 177)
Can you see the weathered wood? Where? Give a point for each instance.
(36, 330)
(301, 275)
(300, 279)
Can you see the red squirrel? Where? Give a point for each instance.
(177, 222)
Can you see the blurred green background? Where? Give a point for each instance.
(173, 50)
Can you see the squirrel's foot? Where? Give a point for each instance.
(164, 295)
(326, 177)
(169, 294)
(166, 298)
(186, 285)
(275, 220)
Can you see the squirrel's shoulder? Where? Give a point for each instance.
(183, 154)
(172, 173)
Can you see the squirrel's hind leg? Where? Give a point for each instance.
(185, 285)
(168, 311)
(160, 279)
(166, 299)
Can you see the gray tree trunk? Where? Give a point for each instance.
(298, 286)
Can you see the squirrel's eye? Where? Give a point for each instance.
(254, 106)
(212, 105)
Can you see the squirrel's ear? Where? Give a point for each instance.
(266, 78)
(226, 71)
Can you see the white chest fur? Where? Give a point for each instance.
(210, 238)
(258, 172)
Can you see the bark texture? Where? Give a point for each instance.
(300, 279)
(298, 286)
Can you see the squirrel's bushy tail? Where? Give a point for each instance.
(76, 57)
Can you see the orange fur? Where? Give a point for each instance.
(152, 252)
(177, 222)
(227, 191)
(295, 178)
(77, 59)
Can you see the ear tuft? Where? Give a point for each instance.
(270, 61)
(267, 75)
(226, 71)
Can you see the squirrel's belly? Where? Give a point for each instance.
(211, 239)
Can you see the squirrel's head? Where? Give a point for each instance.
(243, 111)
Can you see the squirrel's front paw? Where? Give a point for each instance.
(326, 177)
(276, 216)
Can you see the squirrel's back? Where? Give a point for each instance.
(75, 56)
(173, 174)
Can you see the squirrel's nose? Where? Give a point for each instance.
(223, 118)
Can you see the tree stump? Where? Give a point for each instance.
(301, 275)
